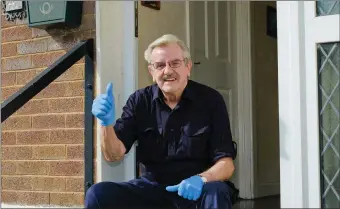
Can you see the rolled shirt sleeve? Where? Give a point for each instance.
(221, 143)
(126, 126)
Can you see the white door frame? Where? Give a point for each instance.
(292, 115)
(246, 160)
(318, 30)
(116, 49)
(298, 32)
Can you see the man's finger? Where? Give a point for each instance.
(109, 89)
(172, 188)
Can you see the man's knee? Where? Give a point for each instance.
(215, 195)
(217, 188)
(96, 195)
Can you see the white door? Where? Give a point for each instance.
(309, 65)
(212, 47)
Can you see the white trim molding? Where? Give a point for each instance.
(292, 103)
(245, 101)
(116, 63)
(321, 29)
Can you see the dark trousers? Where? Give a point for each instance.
(143, 194)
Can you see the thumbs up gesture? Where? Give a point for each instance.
(103, 107)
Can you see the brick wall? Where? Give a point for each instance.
(42, 143)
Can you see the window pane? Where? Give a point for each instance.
(329, 108)
(327, 8)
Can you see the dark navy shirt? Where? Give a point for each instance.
(176, 144)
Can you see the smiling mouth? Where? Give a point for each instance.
(170, 80)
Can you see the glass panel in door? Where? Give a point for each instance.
(329, 121)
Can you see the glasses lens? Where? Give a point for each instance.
(175, 63)
(159, 65)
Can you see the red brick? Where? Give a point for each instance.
(65, 105)
(9, 197)
(8, 79)
(63, 89)
(16, 153)
(33, 198)
(34, 46)
(33, 137)
(56, 55)
(67, 199)
(75, 88)
(75, 184)
(67, 136)
(41, 60)
(17, 63)
(49, 152)
(16, 183)
(8, 138)
(76, 72)
(66, 168)
(23, 77)
(16, 33)
(34, 107)
(48, 121)
(8, 91)
(8, 167)
(55, 184)
(9, 49)
(75, 120)
(75, 152)
(5, 23)
(36, 33)
(17, 123)
(32, 167)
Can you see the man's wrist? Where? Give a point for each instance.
(204, 179)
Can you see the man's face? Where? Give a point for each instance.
(169, 68)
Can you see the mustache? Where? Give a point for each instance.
(169, 76)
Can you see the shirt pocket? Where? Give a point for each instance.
(148, 148)
(193, 142)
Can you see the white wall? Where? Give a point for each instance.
(116, 58)
(153, 24)
(265, 91)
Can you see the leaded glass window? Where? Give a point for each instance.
(329, 108)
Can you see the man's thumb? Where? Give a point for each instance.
(109, 89)
(172, 188)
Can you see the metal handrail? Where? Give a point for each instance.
(42, 80)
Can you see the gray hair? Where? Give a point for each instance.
(163, 41)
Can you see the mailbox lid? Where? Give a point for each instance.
(43, 11)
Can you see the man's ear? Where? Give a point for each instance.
(150, 72)
(189, 66)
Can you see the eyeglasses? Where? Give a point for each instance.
(173, 64)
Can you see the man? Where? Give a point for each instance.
(183, 134)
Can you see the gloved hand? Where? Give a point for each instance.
(190, 188)
(103, 107)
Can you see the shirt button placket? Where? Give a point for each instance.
(171, 145)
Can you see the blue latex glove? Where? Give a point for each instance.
(190, 188)
(103, 107)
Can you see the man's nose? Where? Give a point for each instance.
(168, 69)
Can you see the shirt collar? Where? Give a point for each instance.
(188, 92)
